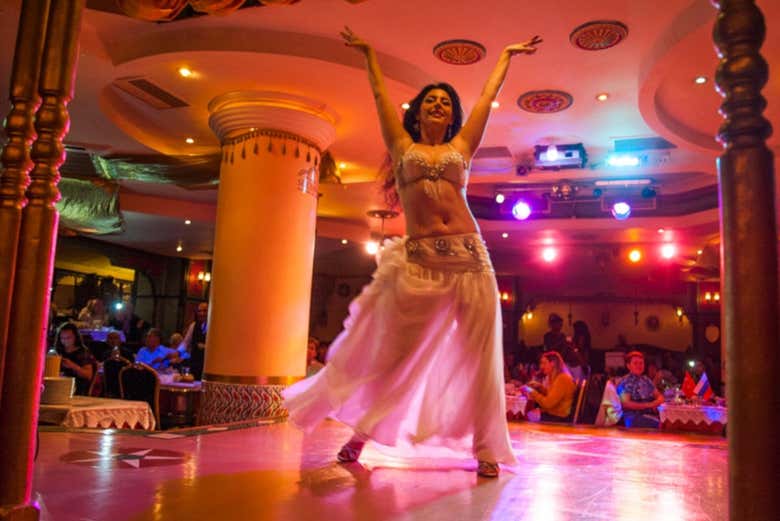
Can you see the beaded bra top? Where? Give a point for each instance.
(416, 166)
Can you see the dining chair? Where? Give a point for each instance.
(111, 369)
(579, 400)
(140, 382)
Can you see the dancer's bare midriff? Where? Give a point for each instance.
(426, 217)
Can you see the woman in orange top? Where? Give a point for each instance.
(556, 394)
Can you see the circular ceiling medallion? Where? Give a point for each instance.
(459, 52)
(598, 35)
(545, 101)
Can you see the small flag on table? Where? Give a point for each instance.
(703, 389)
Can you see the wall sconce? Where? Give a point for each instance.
(204, 276)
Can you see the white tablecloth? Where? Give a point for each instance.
(696, 414)
(104, 413)
(516, 404)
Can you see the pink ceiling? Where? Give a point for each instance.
(296, 49)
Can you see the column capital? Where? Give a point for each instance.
(236, 113)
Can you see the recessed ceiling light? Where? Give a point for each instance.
(603, 96)
(344, 241)
(495, 104)
(187, 222)
(405, 106)
(700, 80)
(189, 141)
(185, 72)
(504, 235)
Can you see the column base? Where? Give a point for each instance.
(232, 402)
(19, 513)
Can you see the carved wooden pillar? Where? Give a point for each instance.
(749, 265)
(35, 261)
(15, 157)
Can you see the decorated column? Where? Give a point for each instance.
(29, 309)
(263, 250)
(749, 264)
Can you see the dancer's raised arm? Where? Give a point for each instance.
(471, 133)
(396, 138)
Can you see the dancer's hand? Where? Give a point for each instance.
(527, 47)
(354, 41)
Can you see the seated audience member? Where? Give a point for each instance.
(638, 395)
(556, 394)
(312, 364)
(662, 378)
(177, 342)
(156, 355)
(77, 361)
(114, 340)
(94, 313)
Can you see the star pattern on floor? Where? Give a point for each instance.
(125, 457)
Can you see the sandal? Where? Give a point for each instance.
(350, 452)
(487, 469)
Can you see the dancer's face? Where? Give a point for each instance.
(436, 109)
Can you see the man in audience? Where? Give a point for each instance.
(156, 355)
(638, 395)
(662, 378)
(114, 341)
(554, 339)
(131, 324)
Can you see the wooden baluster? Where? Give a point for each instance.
(35, 262)
(15, 158)
(749, 264)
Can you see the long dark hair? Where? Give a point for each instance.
(69, 326)
(412, 127)
(581, 332)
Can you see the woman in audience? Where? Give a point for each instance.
(556, 394)
(77, 361)
(94, 313)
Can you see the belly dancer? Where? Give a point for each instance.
(420, 358)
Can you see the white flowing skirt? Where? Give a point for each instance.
(420, 358)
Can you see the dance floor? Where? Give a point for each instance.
(276, 472)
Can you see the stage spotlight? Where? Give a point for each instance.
(598, 192)
(668, 251)
(500, 198)
(521, 210)
(621, 210)
(549, 254)
(635, 255)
